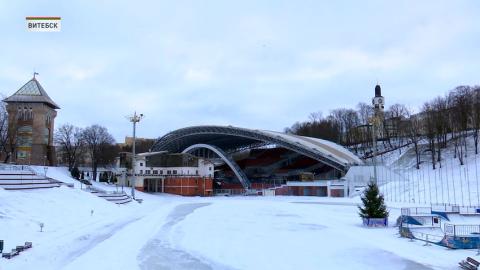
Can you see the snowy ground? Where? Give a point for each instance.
(172, 232)
(449, 183)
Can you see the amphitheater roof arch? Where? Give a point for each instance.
(230, 139)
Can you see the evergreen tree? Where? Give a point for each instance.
(373, 204)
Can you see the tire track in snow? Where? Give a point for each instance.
(87, 242)
(158, 254)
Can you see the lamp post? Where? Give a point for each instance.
(134, 119)
(374, 146)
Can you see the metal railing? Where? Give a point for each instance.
(416, 211)
(13, 167)
(461, 230)
(233, 191)
(469, 210)
(90, 188)
(445, 208)
(431, 238)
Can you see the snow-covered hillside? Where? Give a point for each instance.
(449, 183)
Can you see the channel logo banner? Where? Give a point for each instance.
(44, 24)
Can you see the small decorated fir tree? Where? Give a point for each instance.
(373, 204)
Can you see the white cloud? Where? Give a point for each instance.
(198, 75)
(80, 72)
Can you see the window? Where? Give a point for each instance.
(48, 118)
(22, 154)
(196, 172)
(169, 172)
(209, 168)
(155, 171)
(141, 171)
(147, 171)
(161, 171)
(141, 164)
(46, 135)
(174, 171)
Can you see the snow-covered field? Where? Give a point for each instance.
(172, 232)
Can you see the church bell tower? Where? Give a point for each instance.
(378, 100)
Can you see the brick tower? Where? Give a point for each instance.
(31, 115)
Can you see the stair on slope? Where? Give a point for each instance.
(114, 197)
(22, 177)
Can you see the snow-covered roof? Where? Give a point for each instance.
(230, 138)
(147, 154)
(33, 92)
(328, 148)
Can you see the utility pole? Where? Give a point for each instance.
(134, 119)
(374, 145)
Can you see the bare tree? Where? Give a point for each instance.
(476, 116)
(413, 131)
(460, 111)
(97, 139)
(4, 131)
(430, 129)
(365, 112)
(70, 139)
(397, 113)
(440, 107)
(11, 139)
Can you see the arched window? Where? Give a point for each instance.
(47, 118)
(46, 135)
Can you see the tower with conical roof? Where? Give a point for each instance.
(31, 115)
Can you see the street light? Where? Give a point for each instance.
(134, 119)
(374, 122)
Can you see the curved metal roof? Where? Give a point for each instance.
(230, 139)
(33, 92)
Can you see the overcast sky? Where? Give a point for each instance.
(255, 64)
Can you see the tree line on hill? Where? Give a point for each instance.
(92, 145)
(448, 118)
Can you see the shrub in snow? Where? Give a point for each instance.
(373, 211)
(75, 173)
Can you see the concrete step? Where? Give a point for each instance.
(29, 186)
(16, 172)
(126, 200)
(17, 177)
(26, 181)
